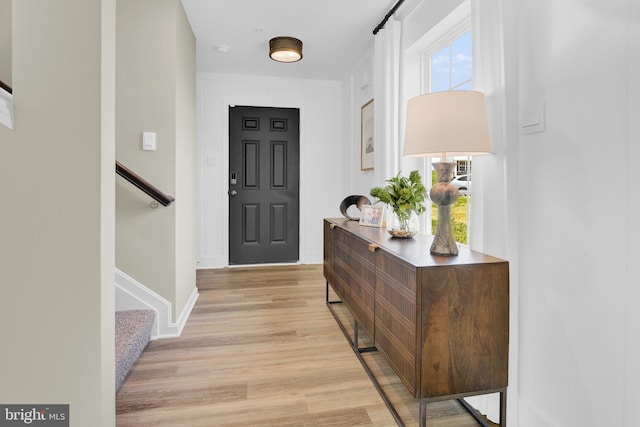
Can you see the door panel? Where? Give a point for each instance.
(251, 164)
(264, 185)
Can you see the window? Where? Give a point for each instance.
(463, 167)
(448, 65)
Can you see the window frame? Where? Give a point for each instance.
(442, 40)
(445, 39)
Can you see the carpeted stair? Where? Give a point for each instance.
(133, 333)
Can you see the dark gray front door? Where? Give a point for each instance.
(264, 170)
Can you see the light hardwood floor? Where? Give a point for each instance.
(262, 349)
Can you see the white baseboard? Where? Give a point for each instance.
(132, 295)
(184, 314)
(211, 262)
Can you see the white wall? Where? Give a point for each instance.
(156, 93)
(57, 219)
(358, 90)
(576, 241)
(5, 41)
(631, 367)
(322, 186)
(185, 152)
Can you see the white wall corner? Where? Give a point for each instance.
(132, 295)
(6, 108)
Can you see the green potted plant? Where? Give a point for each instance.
(405, 196)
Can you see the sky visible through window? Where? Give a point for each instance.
(451, 66)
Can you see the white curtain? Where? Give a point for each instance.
(386, 101)
(489, 216)
(490, 171)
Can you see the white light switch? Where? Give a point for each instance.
(149, 141)
(532, 119)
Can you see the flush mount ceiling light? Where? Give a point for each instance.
(285, 49)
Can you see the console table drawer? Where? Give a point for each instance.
(395, 317)
(362, 283)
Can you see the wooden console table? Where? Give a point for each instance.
(442, 323)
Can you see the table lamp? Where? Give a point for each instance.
(446, 123)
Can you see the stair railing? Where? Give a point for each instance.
(6, 105)
(135, 179)
(6, 87)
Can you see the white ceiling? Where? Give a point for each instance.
(335, 34)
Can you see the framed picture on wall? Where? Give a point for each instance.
(367, 150)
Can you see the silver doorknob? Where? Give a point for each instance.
(233, 193)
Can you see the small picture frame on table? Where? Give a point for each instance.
(372, 215)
